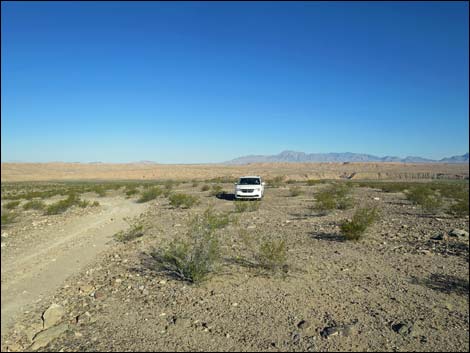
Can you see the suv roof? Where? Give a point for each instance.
(251, 176)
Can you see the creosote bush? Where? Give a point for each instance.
(64, 205)
(8, 217)
(205, 187)
(216, 190)
(193, 257)
(429, 200)
(134, 232)
(336, 196)
(34, 205)
(246, 206)
(149, 194)
(11, 205)
(355, 228)
(183, 200)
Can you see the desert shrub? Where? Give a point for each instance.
(216, 190)
(295, 191)
(272, 254)
(149, 194)
(245, 206)
(134, 232)
(83, 203)
(355, 228)
(34, 205)
(333, 197)
(264, 252)
(205, 187)
(183, 200)
(95, 204)
(276, 182)
(429, 200)
(63, 205)
(8, 217)
(311, 182)
(193, 257)
(131, 191)
(214, 220)
(460, 208)
(195, 184)
(11, 205)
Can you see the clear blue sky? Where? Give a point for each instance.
(208, 82)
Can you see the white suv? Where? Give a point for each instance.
(249, 187)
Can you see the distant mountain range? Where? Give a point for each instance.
(302, 157)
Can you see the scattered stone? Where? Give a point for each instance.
(377, 198)
(330, 331)
(458, 233)
(43, 338)
(403, 328)
(440, 236)
(86, 289)
(303, 324)
(52, 315)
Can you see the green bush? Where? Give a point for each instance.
(8, 217)
(193, 257)
(95, 204)
(216, 190)
(34, 205)
(429, 200)
(215, 221)
(361, 220)
(149, 194)
(134, 232)
(11, 205)
(183, 200)
(131, 191)
(460, 208)
(272, 254)
(275, 182)
(246, 206)
(63, 205)
(333, 197)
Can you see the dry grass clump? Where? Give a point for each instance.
(246, 206)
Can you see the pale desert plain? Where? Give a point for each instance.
(84, 249)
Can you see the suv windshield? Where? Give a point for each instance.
(249, 181)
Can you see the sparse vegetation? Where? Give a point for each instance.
(8, 217)
(205, 187)
(183, 200)
(355, 228)
(63, 205)
(429, 199)
(246, 206)
(295, 191)
(216, 190)
(11, 205)
(460, 208)
(134, 232)
(272, 254)
(34, 205)
(275, 182)
(193, 257)
(333, 197)
(149, 194)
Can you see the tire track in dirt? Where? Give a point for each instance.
(43, 267)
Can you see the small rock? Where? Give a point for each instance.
(329, 331)
(458, 233)
(52, 315)
(43, 338)
(303, 324)
(377, 198)
(403, 328)
(440, 236)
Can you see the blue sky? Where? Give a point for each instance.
(207, 82)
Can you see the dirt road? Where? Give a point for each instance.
(58, 251)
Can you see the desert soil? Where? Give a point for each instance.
(397, 290)
(299, 171)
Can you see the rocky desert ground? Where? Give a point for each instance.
(83, 262)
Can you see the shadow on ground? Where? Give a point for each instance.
(444, 283)
(226, 196)
(327, 236)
